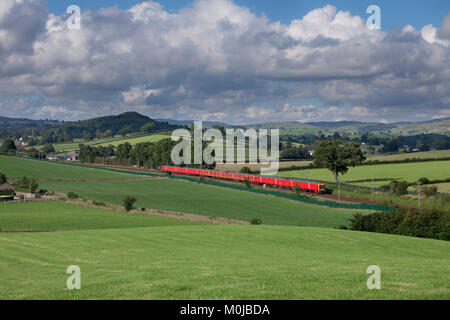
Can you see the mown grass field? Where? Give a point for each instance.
(15, 167)
(222, 262)
(57, 215)
(420, 155)
(115, 141)
(382, 173)
(189, 197)
(134, 141)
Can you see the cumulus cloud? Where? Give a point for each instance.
(216, 60)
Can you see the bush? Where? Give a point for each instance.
(27, 185)
(429, 191)
(128, 202)
(424, 180)
(398, 188)
(6, 192)
(3, 178)
(256, 221)
(430, 223)
(72, 195)
(98, 203)
(245, 170)
(297, 190)
(248, 183)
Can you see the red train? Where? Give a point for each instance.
(304, 185)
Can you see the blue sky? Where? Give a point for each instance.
(394, 12)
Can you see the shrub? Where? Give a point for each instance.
(128, 202)
(6, 192)
(248, 183)
(398, 188)
(424, 180)
(3, 178)
(245, 170)
(429, 223)
(297, 190)
(429, 191)
(98, 203)
(256, 221)
(72, 195)
(27, 185)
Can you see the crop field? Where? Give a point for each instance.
(41, 216)
(382, 173)
(134, 141)
(221, 262)
(15, 167)
(420, 155)
(189, 197)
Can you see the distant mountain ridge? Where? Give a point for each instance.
(135, 121)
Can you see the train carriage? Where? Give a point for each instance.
(312, 186)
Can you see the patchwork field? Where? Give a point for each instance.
(222, 262)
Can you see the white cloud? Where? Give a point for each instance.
(217, 59)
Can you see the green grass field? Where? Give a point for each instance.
(382, 173)
(57, 215)
(222, 262)
(115, 141)
(189, 197)
(134, 141)
(15, 167)
(420, 155)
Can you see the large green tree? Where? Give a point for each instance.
(337, 156)
(8, 146)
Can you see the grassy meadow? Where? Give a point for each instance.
(190, 197)
(15, 167)
(382, 173)
(42, 216)
(296, 254)
(222, 262)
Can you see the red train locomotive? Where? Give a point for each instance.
(305, 185)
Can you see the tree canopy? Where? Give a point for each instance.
(337, 156)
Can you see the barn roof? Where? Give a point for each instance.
(6, 186)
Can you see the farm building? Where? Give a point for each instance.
(6, 186)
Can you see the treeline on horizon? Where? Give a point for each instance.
(102, 127)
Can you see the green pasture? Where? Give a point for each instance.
(382, 173)
(222, 262)
(15, 167)
(57, 215)
(190, 197)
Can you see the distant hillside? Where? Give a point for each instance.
(189, 122)
(438, 126)
(23, 124)
(131, 121)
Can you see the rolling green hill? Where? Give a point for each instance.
(222, 262)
